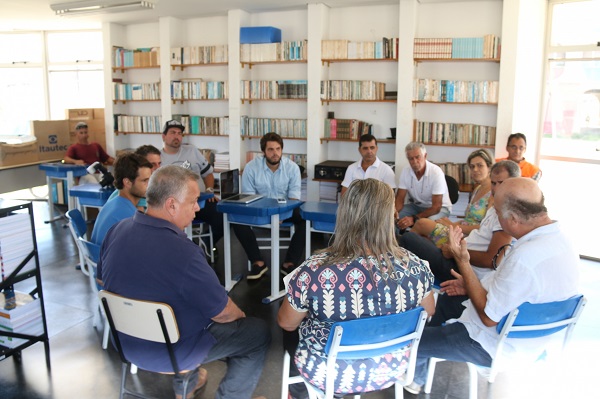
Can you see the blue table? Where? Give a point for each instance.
(61, 171)
(266, 212)
(320, 217)
(90, 195)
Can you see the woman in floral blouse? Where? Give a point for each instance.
(364, 273)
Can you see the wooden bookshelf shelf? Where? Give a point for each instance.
(271, 99)
(283, 137)
(379, 141)
(330, 61)
(123, 69)
(496, 60)
(133, 101)
(461, 145)
(183, 66)
(126, 133)
(181, 101)
(356, 101)
(450, 102)
(251, 63)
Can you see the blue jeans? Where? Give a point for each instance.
(412, 209)
(243, 344)
(450, 342)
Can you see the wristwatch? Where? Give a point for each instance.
(209, 189)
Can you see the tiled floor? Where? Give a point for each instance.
(81, 369)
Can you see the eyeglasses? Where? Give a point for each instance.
(501, 251)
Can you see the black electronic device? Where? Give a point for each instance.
(107, 178)
(331, 170)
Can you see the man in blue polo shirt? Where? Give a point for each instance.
(132, 172)
(274, 176)
(149, 257)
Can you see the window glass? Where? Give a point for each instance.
(22, 99)
(75, 47)
(21, 48)
(75, 89)
(575, 23)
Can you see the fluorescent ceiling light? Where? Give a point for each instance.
(100, 6)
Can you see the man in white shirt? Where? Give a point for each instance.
(370, 166)
(541, 267)
(425, 185)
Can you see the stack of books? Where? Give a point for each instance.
(25, 318)
(137, 124)
(139, 57)
(274, 89)
(136, 91)
(254, 127)
(274, 52)
(221, 161)
(486, 47)
(198, 89)
(207, 125)
(199, 55)
(455, 133)
(460, 91)
(15, 243)
(386, 48)
(352, 90)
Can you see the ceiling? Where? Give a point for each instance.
(19, 15)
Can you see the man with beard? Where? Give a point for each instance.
(174, 152)
(132, 173)
(273, 176)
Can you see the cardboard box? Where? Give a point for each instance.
(99, 113)
(260, 34)
(81, 114)
(52, 138)
(18, 153)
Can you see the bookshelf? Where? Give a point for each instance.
(25, 325)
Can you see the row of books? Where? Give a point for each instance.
(346, 49)
(15, 243)
(284, 127)
(139, 57)
(485, 91)
(24, 318)
(455, 133)
(346, 128)
(352, 90)
(198, 55)
(199, 90)
(136, 91)
(459, 171)
(221, 161)
(487, 46)
(274, 89)
(266, 52)
(212, 125)
(137, 124)
(299, 159)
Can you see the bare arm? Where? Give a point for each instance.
(209, 182)
(400, 197)
(436, 207)
(288, 318)
(230, 313)
(484, 259)
(477, 294)
(428, 303)
(73, 161)
(344, 189)
(110, 161)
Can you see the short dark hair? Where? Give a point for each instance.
(365, 138)
(146, 149)
(516, 136)
(511, 167)
(270, 137)
(126, 167)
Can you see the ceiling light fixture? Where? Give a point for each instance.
(100, 6)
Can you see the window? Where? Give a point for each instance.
(74, 76)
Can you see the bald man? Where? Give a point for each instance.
(542, 266)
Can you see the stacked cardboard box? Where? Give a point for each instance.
(18, 150)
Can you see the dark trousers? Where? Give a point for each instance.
(295, 252)
(210, 215)
(425, 249)
(447, 307)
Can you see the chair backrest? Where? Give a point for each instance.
(453, 188)
(375, 336)
(538, 320)
(140, 319)
(77, 221)
(91, 251)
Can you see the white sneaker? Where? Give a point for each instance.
(413, 388)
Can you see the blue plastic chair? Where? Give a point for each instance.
(78, 228)
(350, 340)
(91, 254)
(527, 321)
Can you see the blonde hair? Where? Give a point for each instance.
(365, 224)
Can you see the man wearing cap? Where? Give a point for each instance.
(174, 152)
(85, 153)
